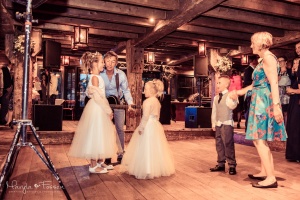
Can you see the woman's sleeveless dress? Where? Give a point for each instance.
(148, 155)
(95, 135)
(261, 122)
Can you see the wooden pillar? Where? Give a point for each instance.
(213, 55)
(135, 67)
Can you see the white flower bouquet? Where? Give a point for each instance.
(19, 46)
(224, 64)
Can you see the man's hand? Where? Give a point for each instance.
(130, 109)
(213, 128)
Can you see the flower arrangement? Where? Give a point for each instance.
(224, 64)
(168, 72)
(19, 46)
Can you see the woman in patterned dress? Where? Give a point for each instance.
(265, 122)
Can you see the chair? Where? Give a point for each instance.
(69, 108)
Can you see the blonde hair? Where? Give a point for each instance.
(263, 39)
(87, 60)
(158, 86)
(227, 78)
(111, 54)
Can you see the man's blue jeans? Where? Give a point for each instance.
(119, 118)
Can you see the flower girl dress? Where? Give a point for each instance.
(148, 155)
(95, 136)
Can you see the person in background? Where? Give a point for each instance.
(293, 113)
(222, 123)
(148, 154)
(265, 120)
(248, 81)
(236, 84)
(284, 83)
(116, 84)
(7, 90)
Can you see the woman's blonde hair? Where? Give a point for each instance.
(263, 39)
(158, 86)
(87, 60)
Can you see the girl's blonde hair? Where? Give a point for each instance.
(263, 39)
(87, 60)
(158, 86)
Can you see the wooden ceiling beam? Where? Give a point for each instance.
(160, 4)
(254, 18)
(7, 22)
(94, 24)
(289, 38)
(195, 43)
(96, 15)
(111, 7)
(188, 9)
(215, 32)
(266, 6)
(68, 38)
(235, 26)
(198, 37)
(182, 59)
(92, 31)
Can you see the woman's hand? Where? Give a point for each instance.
(111, 116)
(277, 113)
(289, 90)
(140, 132)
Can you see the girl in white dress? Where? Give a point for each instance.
(95, 134)
(148, 154)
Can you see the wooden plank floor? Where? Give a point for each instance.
(192, 180)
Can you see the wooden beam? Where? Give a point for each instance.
(182, 59)
(6, 21)
(92, 31)
(215, 32)
(266, 6)
(110, 7)
(198, 37)
(188, 10)
(94, 24)
(234, 26)
(95, 15)
(289, 38)
(160, 4)
(254, 18)
(195, 43)
(120, 47)
(68, 38)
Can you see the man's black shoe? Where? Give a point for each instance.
(107, 161)
(217, 168)
(232, 171)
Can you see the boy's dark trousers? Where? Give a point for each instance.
(225, 145)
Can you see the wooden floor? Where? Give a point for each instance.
(192, 180)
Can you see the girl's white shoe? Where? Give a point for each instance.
(93, 170)
(105, 166)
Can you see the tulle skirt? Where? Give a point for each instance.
(148, 155)
(95, 136)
